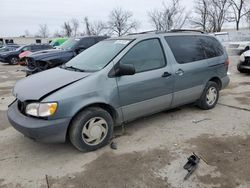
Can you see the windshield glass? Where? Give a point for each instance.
(98, 56)
(20, 48)
(70, 44)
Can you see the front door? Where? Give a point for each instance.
(150, 89)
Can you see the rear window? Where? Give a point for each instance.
(188, 49)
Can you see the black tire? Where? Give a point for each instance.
(79, 122)
(203, 101)
(13, 60)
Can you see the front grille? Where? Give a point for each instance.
(21, 106)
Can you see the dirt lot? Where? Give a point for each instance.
(151, 153)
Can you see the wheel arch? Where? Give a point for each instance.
(217, 80)
(110, 109)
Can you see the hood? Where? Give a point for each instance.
(47, 53)
(7, 53)
(247, 53)
(41, 84)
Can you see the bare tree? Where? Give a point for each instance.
(99, 28)
(43, 30)
(57, 34)
(239, 10)
(121, 22)
(95, 28)
(75, 26)
(67, 29)
(202, 14)
(218, 13)
(27, 33)
(87, 26)
(171, 16)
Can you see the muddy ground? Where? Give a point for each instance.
(151, 152)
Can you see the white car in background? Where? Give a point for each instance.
(238, 48)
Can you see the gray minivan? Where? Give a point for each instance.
(117, 81)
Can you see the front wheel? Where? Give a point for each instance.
(13, 61)
(209, 97)
(91, 129)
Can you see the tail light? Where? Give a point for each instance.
(227, 62)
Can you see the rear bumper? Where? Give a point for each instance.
(224, 82)
(48, 131)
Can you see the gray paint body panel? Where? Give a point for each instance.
(131, 96)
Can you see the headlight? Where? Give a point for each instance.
(242, 58)
(41, 109)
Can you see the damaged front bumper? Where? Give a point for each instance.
(48, 131)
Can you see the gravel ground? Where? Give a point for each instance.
(151, 152)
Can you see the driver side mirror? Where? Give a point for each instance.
(122, 70)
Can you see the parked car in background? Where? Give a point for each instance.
(116, 81)
(9, 47)
(244, 62)
(12, 57)
(43, 60)
(237, 48)
(57, 42)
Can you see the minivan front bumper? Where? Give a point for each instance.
(48, 131)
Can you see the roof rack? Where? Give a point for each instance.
(185, 30)
(169, 31)
(143, 32)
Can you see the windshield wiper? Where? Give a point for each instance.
(72, 68)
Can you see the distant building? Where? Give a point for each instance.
(24, 40)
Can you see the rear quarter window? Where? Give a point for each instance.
(188, 49)
(211, 46)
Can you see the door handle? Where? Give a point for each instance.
(166, 74)
(179, 72)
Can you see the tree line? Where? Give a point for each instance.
(206, 15)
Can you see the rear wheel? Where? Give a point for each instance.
(210, 96)
(91, 129)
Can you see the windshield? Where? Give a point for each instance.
(20, 48)
(69, 44)
(98, 56)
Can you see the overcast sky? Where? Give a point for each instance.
(16, 16)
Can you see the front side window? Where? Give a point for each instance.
(145, 55)
(186, 49)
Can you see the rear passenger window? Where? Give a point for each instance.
(211, 46)
(186, 49)
(146, 55)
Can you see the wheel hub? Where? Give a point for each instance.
(211, 95)
(94, 131)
